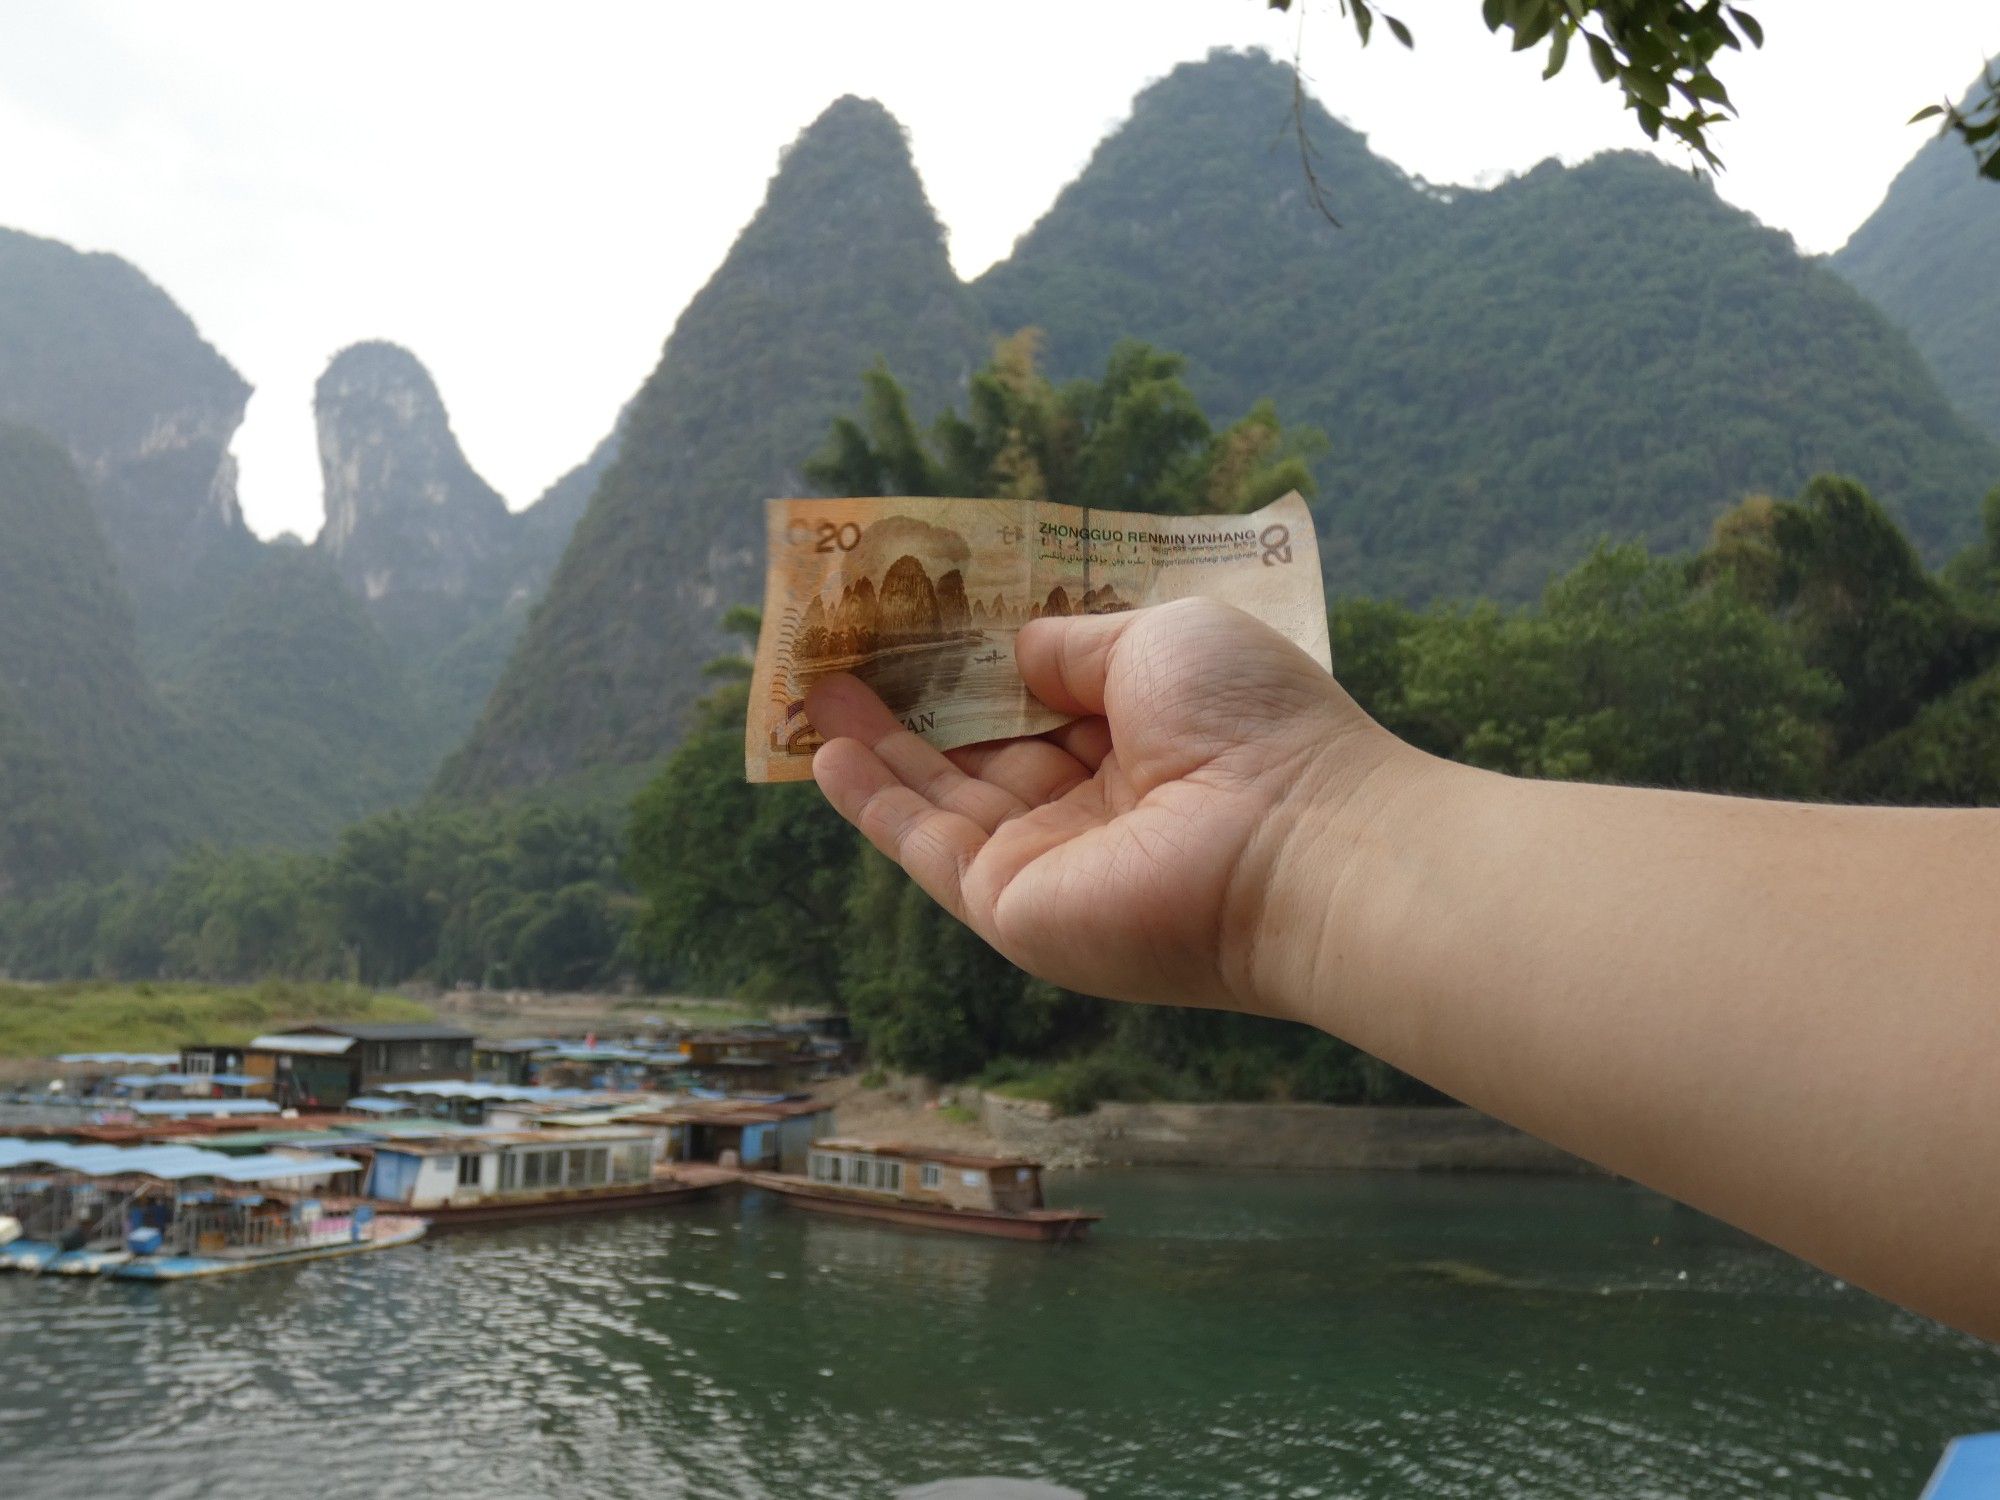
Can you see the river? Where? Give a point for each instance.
(1263, 1335)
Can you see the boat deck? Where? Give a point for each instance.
(1049, 1225)
(41, 1257)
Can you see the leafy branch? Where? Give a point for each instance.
(1977, 123)
(1659, 52)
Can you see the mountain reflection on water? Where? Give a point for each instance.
(1367, 1335)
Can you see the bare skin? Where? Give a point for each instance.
(1783, 1014)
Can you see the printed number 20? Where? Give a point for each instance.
(845, 537)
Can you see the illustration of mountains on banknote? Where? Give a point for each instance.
(921, 598)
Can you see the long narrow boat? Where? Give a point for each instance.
(515, 1177)
(925, 1189)
(165, 1213)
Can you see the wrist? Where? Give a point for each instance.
(1352, 884)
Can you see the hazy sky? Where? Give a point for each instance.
(527, 195)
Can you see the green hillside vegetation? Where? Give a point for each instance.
(300, 718)
(89, 761)
(844, 263)
(1505, 376)
(524, 896)
(46, 1020)
(1926, 257)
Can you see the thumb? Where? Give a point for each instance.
(1065, 662)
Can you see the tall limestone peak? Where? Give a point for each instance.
(103, 361)
(843, 265)
(409, 526)
(1204, 192)
(1925, 257)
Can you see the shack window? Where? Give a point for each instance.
(510, 1171)
(468, 1171)
(531, 1168)
(638, 1163)
(931, 1176)
(833, 1169)
(574, 1167)
(600, 1164)
(889, 1175)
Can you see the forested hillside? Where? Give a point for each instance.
(1927, 258)
(301, 717)
(1504, 376)
(89, 763)
(843, 265)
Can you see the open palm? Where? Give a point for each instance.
(1125, 854)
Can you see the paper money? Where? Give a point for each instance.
(921, 599)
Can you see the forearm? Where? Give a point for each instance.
(1783, 1014)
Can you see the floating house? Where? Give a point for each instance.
(773, 1134)
(169, 1212)
(604, 1066)
(500, 1177)
(507, 1061)
(323, 1065)
(924, 1188)
(473, 1103)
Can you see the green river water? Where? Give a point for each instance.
(1264, 1335)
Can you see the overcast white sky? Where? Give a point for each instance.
(527, 195)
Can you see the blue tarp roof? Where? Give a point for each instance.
(378, 1106)
(172, 1107)
(172, 1163)
(234, 1080)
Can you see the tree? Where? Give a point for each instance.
(1838, 572)
(743, 889)
(1135, 440)
(1631, 671)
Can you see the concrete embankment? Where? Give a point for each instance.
(1271, 1136)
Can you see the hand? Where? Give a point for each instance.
(1132, 853)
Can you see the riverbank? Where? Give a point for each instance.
(1209, 1137)
(40, 1021)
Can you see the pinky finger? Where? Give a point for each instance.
(933, 845)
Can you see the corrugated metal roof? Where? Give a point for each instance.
(184, 1107)
(392, 1031)
(461, 1088)
(301, 1041)
(173, 1163)
(133, 1059)
(415, 1145)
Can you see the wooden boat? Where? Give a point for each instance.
(925, 1189)
(335, 1234)
(165, 1213)
(514, 1177)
